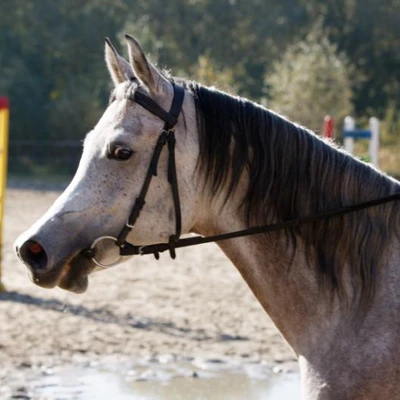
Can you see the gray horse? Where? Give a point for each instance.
(331, 286)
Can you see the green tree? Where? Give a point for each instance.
(241, 36)
(310, 81)
(52, 65)
(368, 32)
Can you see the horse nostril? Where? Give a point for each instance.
(33, 254)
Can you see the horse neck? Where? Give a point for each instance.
(264, 263)
(313, 321)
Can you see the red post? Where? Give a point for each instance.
(329, 127)
(3, 103)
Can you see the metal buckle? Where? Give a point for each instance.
(98, 263)
(128, 225)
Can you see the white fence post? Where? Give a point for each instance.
(374, 142)
(349, 125)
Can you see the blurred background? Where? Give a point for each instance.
(302, 58)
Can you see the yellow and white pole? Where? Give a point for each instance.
(4, 118)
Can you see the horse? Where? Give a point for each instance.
(330, 285)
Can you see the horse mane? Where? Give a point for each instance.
(292, 173)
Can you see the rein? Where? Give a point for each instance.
(168, 136)
(289, 224)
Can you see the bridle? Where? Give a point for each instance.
(167, 136)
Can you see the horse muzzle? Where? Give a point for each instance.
(70, 273)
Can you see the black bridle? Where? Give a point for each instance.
(168, 136)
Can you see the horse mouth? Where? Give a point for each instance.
(71, 275)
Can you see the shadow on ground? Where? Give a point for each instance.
(106, 316)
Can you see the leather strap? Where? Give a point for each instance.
(170, 118)
(167, 135)
(293, 223)
(140, 200)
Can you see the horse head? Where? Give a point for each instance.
(116, 156)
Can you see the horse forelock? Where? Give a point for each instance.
(125, 90)
(293, 173)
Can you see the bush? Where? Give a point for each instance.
(310, 81)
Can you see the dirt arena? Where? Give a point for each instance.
(197, 306)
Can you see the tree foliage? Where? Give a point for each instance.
(310, 81)
(52, 67)
(368, 31)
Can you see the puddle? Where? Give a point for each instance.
(175, 381)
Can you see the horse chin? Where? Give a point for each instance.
(71, 275)
(74, 276)
(78, 285)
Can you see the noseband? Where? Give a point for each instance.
(168, 136)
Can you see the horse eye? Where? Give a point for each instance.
(120, 153)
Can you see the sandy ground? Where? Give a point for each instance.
(195, 306)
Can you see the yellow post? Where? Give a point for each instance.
(4, 118)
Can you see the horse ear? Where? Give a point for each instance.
(120, 70)
(145, 71)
